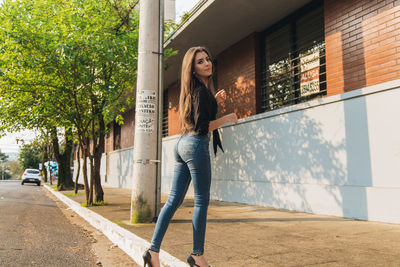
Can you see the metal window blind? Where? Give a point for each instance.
(165, 114)
(117, 136)
(293, 69)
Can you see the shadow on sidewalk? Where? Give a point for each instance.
(266, 220)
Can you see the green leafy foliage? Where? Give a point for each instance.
(4, 175)
(68, 65)
(3, 157)
(29, 156)
(185, 16)
(63, 62)
(14, 169)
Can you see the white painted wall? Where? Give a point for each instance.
(339, 156)
(120, 169)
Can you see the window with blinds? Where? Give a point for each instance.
(294, 59)
(117, 136)
(165, 114)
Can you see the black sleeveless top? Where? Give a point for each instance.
(204, 110)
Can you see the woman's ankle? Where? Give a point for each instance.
(155, 261)
(155, 253)
(199, 259)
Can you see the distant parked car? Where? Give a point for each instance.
(31, 176)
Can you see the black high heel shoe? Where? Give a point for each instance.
(192, 262)
(147, 259)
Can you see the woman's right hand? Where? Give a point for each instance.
(220, 96)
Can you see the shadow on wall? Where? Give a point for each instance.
(124, 167)
(288, 161)
(244, 91)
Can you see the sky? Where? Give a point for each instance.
(8, 143)
(182, 6)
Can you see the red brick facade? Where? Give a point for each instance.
(128, 129)
(236, 73)
(173, 115)
(362, 43)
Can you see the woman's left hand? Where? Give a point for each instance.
(220, 96)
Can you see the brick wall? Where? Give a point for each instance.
(127, 132)
(108, 146)
(128, 129)
(173, 115)
(362, 43)
(236, 73)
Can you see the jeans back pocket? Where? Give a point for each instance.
(189, 144)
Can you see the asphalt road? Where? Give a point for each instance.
(34, 231)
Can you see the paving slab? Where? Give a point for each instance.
(245, 235)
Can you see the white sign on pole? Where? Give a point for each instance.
(145, 124)
(146, 105)
(146, 102)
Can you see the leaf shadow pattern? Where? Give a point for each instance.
(243, 89)
(124, 167)
(286, 161)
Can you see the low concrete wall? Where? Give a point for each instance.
(338, 155)
(116, 169)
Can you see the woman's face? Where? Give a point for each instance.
(202, 65)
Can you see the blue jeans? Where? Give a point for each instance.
(192, 163)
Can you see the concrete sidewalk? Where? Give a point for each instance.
(243, 235)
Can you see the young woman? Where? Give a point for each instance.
(197, 111)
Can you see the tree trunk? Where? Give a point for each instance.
(91, 180)
(51, 156)
(84, 169)
(45, 158)
(64, 174)
(98, 152)
(64, 181)
(99, 194)
(79, 169)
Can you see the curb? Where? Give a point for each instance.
(130, 243)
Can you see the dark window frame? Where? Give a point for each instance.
(292, 94)
(165, 113)
(116, 136)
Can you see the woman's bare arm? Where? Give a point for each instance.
(232, 117)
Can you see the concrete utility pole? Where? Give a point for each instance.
(144, 185)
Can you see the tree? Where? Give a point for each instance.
(15, 169)
(65, 56)
(3, 160)
(63, 65)
(45, 147)
(68, 65)
(29, 156)
(3, 157)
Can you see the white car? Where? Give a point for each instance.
(31, 176)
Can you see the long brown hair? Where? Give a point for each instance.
(187, 85)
